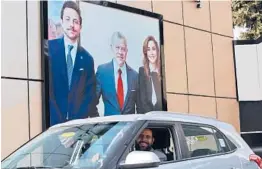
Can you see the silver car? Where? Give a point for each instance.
(187, 141)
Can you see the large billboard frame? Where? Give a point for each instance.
(44, 54)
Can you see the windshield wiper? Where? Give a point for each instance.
(76, 153)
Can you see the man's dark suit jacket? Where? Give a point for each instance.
(145, 92)
(79, 100)
(106, 87)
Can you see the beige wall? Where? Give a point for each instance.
(199, 67)
(21, 74)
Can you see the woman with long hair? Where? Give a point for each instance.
(150, 94)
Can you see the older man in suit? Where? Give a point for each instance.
(117, 82)
(71, 67)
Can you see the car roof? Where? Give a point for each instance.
(153, 115)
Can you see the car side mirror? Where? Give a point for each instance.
(140, 159)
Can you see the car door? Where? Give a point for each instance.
(179, 162)
(208, 149)
(174, 165)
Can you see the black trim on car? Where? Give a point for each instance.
(182, 141)
(177, 141)
(156, 164)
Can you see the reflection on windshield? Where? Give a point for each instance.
(75, 147)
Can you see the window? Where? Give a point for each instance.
(158, 140)
(231, 145)
(203, 141)
(222, 142)
(163, 142)
(84, 146)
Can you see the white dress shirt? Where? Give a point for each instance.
(154, 98)
(123, 76)
(73, 51)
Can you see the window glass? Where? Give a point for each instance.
(200, 140)
(158, 140)
(85, 146)
(222, 142)
(231, 145)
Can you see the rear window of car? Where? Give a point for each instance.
(205, 141)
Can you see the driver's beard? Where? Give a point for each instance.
(149, 147)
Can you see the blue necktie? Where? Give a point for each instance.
(69, 64)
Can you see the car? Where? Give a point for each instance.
(188, 142)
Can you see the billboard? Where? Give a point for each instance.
(101, 59)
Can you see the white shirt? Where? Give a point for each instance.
(73, 51)
(123, 76)
(154, 99)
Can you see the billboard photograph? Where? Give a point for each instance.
(103, 59)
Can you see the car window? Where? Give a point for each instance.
(163, 143)
(84, 146)
(231, 145)
(200, 140)
(225, 145)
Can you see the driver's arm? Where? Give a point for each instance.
(161, 156)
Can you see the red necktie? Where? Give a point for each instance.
(120, 90)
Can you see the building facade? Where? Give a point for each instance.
(248, 59)
(198, 62)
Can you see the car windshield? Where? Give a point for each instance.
(84, 146)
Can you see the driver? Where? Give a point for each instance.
(145, 141)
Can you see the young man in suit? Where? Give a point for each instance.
(71, 67)
(116, 81)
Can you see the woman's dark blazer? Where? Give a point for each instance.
(145, 92)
